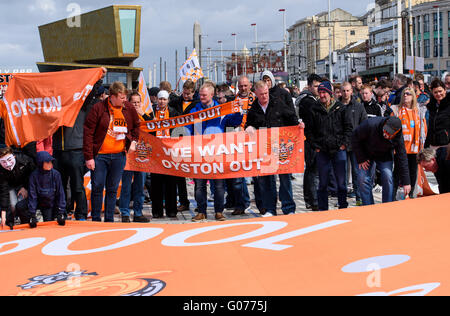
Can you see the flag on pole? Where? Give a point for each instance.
(191, 69)
(146, 103)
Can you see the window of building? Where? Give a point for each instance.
(426, 23)
(426, 48)
(128, 30)
(435, 21)
(419, 30)
(419, 48)
(437, 44)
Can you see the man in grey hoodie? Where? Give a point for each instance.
(275, 90)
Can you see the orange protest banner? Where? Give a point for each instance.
(36, 105)
(189, 119)
(391, 249)
(221, 156)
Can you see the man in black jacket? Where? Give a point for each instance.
(304, 103)
(431, 161)
(357, 114)
(68, 152)
(329, 135)
(374, 143)
(15, 172)
(269, 112)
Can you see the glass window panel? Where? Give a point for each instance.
(128, 30)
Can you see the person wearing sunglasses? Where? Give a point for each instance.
(375, 143)
(414, 133)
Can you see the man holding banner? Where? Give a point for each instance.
(213, 126)
(269, 112)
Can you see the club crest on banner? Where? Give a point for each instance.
(143, 151)
(84, 284)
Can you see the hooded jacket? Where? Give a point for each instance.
(331, 129)
(46, 190)
(278, 92)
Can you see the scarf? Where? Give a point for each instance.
(413, 129)
(161, 115)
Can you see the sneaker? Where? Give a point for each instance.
(358, 203)
(200, 217)
(267, 214)
(140, 219)
(219, 217)
(262, 211)
(126, 219)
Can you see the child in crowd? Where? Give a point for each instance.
(46, 191)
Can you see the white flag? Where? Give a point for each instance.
(191, 69)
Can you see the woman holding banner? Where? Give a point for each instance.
(111, 129)
(164, 187)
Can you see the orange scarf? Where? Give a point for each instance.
(412, 126)
(162, 115)
(247, 106)
(115, 137)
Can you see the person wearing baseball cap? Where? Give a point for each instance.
(329, 134)
(376, 143)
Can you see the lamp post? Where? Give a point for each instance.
(284, 39)
(256, 43)
(330, 57)
(235, 52)
(221, 58)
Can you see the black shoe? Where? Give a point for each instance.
(158, 216)
(263, 211)
(61, 219)
(126, 219)
(315, 208)
(238, 212)
(174, 215)
(141, 219)
(33, 222)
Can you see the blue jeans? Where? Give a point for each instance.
(366, 177)
(338, 163)
(107, 174)
(238, 195)
(201, 195)
(286, 195)
(133, 190)
(355, 167)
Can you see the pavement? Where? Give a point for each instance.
(252, 212)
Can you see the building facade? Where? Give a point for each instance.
(309, 40)
(431, 37)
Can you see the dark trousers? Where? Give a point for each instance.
(311, 177)
(182, 191)
(20, 211)
(71, 165)
(237, 194)
(164, 189)
(412, 167)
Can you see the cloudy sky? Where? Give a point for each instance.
(167, 25)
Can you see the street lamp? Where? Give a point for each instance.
(284, 38)
(235, 52)
(256, 42)
(221, 58)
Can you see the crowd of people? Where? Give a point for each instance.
(371, 134)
